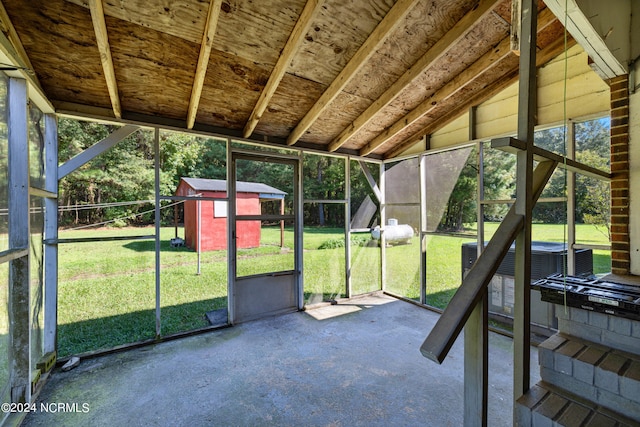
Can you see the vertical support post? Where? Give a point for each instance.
(19, 298)
(347, 226)
(524, 198)
(156, 164)
(199, 243)
(383, 221)
(281, 224)
(298, 243)
(51, 235)
(175, 220)
(231, 234)
(476, 335)
(571, 200)
(423, 227)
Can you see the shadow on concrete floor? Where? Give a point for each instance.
(357, 363)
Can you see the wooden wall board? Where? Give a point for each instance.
(335, 36)
(231, 89)
(293, 98)
(456, 130)
(184, 19)
(256, 30)
(155, 70)
(66, 60)
(424, 25)
(265, 25)
(155, 46)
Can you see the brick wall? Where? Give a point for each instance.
(620, 245)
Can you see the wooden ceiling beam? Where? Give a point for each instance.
(440, 48)
(203, 60)
(102, 39)
(290, 48)
(455, 85)
(368, 48)
(459, 82)
(544, 55)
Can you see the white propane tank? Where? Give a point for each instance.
(394, 233)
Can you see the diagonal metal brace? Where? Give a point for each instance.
(95, 150)
(446, 330)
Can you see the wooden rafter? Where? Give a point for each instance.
(293, 43)
(368, 48)
(482, 65)
(456, 33)
(100, 28)
(203, 60)
(543, 56)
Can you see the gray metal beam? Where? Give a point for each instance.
(571, 201)
(95, 150)
(370, 179)
(19, 298)
(156, 164)
(513, 145)
(474, 286)
(51, 234)
(527, 110)
(476, 330)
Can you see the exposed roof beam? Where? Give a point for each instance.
(457, 32)
(203, 60)
(10, 31)
(542, 57)
(368, 48)
(100, 28)
(293, 43)
(459, 82)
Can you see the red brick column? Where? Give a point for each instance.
(620, 246)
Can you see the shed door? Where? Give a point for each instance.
(264, 236)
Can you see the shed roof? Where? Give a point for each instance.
(370, 77)
(264, 190)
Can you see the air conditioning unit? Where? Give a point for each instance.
(547, 258)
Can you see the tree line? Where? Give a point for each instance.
(126, 173)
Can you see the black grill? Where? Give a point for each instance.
(591, 294)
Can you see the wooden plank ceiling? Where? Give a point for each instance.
(364, 76)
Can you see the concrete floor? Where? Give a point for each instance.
(355, 364)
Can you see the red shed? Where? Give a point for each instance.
(213, 213)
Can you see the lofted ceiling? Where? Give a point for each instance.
(370, 77)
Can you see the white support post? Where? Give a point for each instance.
(19, 297)
(51, 236)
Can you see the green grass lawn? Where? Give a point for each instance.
(107, 289)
